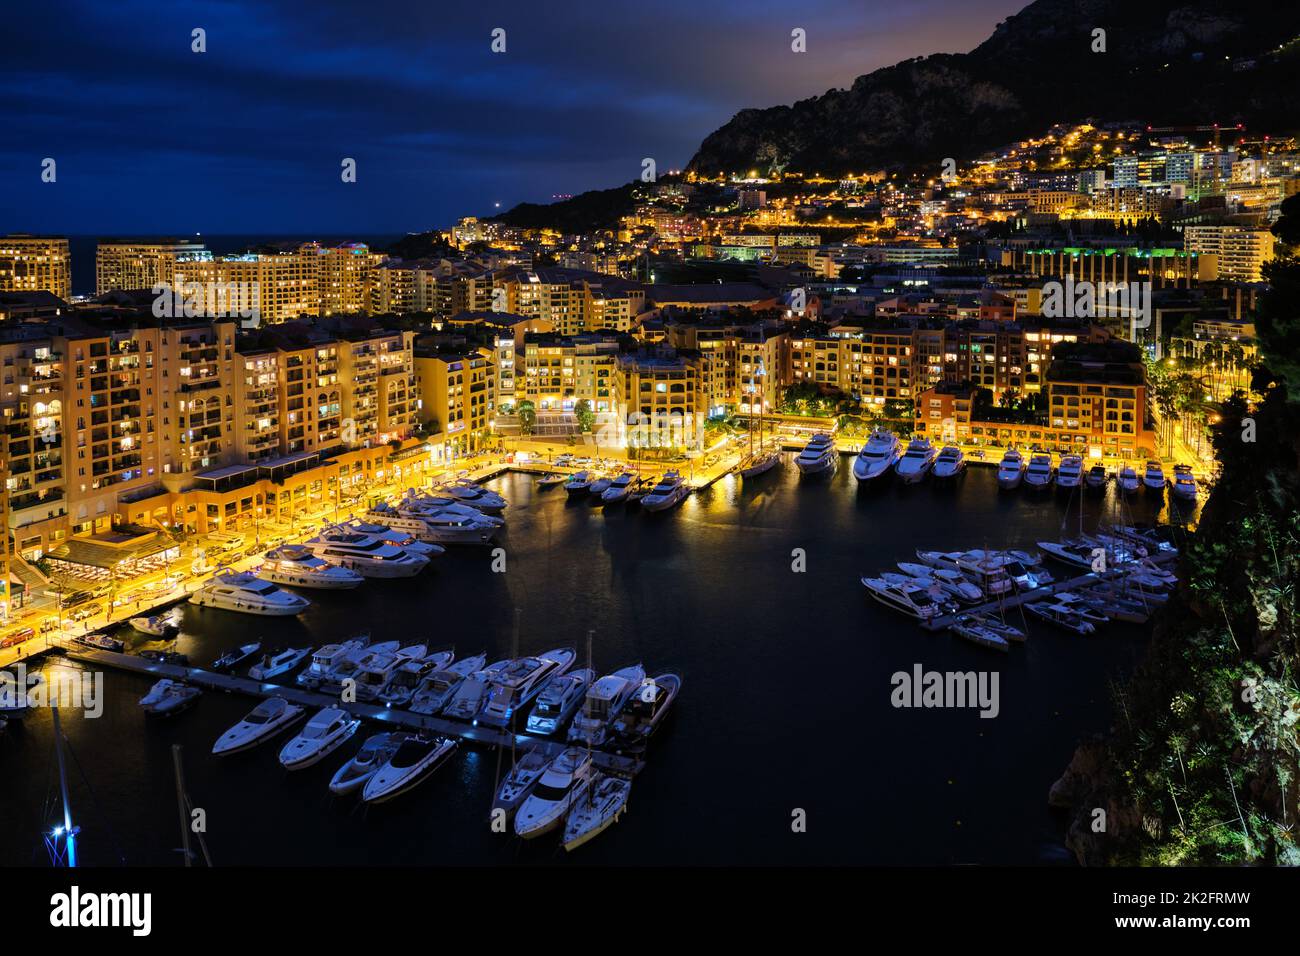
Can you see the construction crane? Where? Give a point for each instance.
(1213, 127)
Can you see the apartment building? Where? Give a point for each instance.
(128, 264)
(1241, 253)
(659, 400)
(345, 274)
(35, 264)
(457, 392)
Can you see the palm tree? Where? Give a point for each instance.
(527, 414)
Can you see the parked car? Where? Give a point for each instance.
(14, 638)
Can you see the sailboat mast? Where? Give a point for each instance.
(69, 832)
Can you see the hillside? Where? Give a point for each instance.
(1167, 63)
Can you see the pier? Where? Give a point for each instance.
(402, 719)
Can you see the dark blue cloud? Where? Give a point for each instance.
(248, 137)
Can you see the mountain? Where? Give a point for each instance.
(1166, 63)
(585, 212)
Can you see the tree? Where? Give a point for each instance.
(527, 416)
(585, 416)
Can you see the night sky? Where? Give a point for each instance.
(248, 137)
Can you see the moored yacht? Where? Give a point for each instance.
(971, 628)
(374, 753)
(758, 462)
(437, 688)
(914, 600)
(236, 656)
(406, 680)
(453, 524)
(558, 700)
(1061, 616)
(878, 456)
(1097, 478)
(415, 759)
(521, 779)
(168, 697)
(1128, 480)
(472, 693)
(328, 730)
(476, 496)
(579, 483)
(244, 592)
(279, 661)
(1069, 474)
(519, 682)
(1184, 483)
(950, 463)
(645, 711)
(367, 554)
(618, 488)
(328, 657)
(561, 785)
(1153, 478)
(669, 491)
(295, 565)
(1038, 476)
(950, 581)
(598, 487)
(604, 701)
(1011, 470)
(819, 456)
(349, 665)
(375, 673)
(262, 723)
(916, 462)
(601, 806)
(158, 625)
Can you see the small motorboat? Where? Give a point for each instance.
(1060, 616)
(519, 782)
(233, 658)
(277, 662)
(262, 723)
(602, 805)
(579, 484)
(550, 480)
(328, 730)
(374, 753)
(598, 487)
(174, 658)
(102, 642)
(415, 759)
(155, 626)
(168, 697)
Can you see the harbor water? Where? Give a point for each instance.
(783, 747)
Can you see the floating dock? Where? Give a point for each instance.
(230, 684)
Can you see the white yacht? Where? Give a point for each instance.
(878, 456)
(437, 688)
(519, 682)
(1184, 483)
(819, 456)
(374, 753)
(669, 491)
(1084, 553)
(987, 570)
(452, 524)
(971, 628)
(397, 527)
(950, 581)
(1038, 475)
(521, 779)
(950, 463)
(618, 488)
(157, 625)
(324, 660)
(476, 496)
(598, 487)
(416, 758)
(1096, 478)
(470, 696)
(558, 700)
(1128, 480)
(561, 785)
(916, 461)
(604, 701)
(244, 592)
(914, 600)
(349, 665)
(645, 711)
(601, 806)
(1153, 479)
(1062, 616)
(406, 680)
(277, 662)
(367, 554)
(325, 733)
(1011, 471)
(236, 656)
(262, 723)
(374, 675)
(1069, 475)
(169, 697)
(295, 565)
